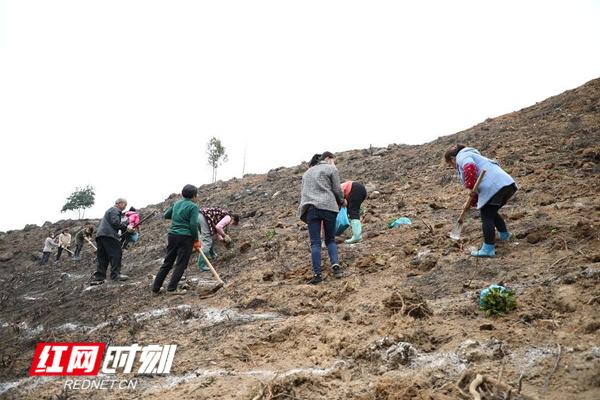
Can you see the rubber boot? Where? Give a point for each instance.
(504, 236)
(487, 250)
(356, 231)
(201, 263)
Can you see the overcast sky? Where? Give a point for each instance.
(124, 95)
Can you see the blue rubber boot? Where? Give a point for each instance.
(202, 263)
(356, 232)
(504, 236)
(487, 250)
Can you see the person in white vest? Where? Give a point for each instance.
(495, 189)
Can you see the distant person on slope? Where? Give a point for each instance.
(495, 189)
(49, 243)
(133, 230)
(64, 241)
(85, 233)
(354, 194)
(213, 222)
(320, 199)
(182, 240)
(109, 245)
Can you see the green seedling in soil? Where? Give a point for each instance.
(498, 302)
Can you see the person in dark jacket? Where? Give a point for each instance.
(84, 234)
(319, 205)
(181, 242)
(109, 244)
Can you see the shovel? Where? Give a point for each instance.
(91, 244)
(214, 272)
(455, 234)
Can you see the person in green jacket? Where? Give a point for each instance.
(182, 240)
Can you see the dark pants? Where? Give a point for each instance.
(59, 253)
(109, 251)
(357, 195)
(490, 219)
(45, 257)
(78, 248)
(125, 239)
(315, 218)
(179, 248)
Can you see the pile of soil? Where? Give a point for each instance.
(403, 322)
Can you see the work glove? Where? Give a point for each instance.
(130, 228)
(474, 199)
(197, 246)
(227, 239)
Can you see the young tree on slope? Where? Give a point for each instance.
(216, 155)
(79, 200)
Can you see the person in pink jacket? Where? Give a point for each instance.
(133, 230)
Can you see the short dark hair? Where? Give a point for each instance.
(327, 154)
(189, 191)
(453, 151)
(236, 218)
(132, 209)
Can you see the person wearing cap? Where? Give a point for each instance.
(109, 244)
(181, 242)
(320, 200)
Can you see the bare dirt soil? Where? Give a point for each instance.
(404, 321)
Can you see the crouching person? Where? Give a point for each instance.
(182, 240)
(213, 222)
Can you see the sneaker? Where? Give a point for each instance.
(176, 292)
(315, 280)
(337, 271)
(97, 282)
(120, 277)
(161, 291)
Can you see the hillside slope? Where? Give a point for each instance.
(403, 322)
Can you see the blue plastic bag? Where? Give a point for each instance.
(341, 222)
(135, 236)
(486, 291)
(400, 221)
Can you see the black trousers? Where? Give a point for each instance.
(490, 219)
(358, 194)
(45, 257)
(179, 247)
(78, 248)
(109, 252)
(59, 252)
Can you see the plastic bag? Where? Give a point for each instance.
(341, 222)
(400, 221)
(135, 236)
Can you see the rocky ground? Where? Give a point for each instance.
(404, 321)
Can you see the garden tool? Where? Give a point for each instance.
(455, 234)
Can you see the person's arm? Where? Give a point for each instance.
(336, 186)
(220, 228)
(169, 213)
(114, 219)
(470, 174)
(194, 222)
